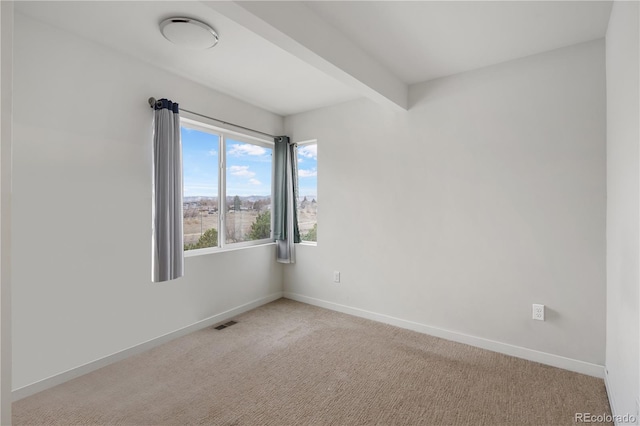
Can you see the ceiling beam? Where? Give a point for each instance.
(295, 28)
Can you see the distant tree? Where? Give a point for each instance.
(236, 229)
(304, 203)
(312, 235)
(208, 239)
(261, 204)
(261, 228)
(237, 203)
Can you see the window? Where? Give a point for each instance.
(249, 170)
(200, 207)
(227, 187)
(308, 191)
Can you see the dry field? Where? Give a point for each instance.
(306, 220)
(238, 224)
(196, 226)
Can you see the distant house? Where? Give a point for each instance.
(189, 205)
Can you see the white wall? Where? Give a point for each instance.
(6, 99)
(486, 197)
(82, 207)
(623, 206)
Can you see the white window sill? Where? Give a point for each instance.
(232, 247)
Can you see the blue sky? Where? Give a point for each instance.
(308, 170)
(248, 169)
(248, 166)
(200, 159)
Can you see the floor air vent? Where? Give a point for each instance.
(225, 325)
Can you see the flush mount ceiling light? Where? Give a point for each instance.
(189, 33)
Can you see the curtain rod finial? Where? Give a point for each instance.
(152, 102)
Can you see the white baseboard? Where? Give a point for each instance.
(504, 348)
(110, 359)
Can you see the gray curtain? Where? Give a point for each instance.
(285, 212)
(168, 251)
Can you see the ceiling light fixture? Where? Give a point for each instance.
(189, 33)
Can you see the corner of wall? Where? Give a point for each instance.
(6, 107)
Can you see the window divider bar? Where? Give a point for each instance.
(222, 199)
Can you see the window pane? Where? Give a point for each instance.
(200, 158)
(308, 191)
(248, 186)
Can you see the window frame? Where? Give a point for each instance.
(298, 145)
(204, 125)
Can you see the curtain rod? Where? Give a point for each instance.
(152, 103)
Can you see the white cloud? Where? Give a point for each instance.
(213, 153)
(308, 151)
(246, 149)
(307, 173)
(241, 171)
(255, 182)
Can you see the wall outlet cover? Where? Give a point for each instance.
(538, 312)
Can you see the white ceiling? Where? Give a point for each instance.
(242, 65)
(423, 40)
(290, 57)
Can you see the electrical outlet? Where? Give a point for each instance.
(336, 276)
(538, 312)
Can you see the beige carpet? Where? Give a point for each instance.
(288, 363)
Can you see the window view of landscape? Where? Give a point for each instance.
(308, 191)
(247, 204)
(248, 192)
(200, 158)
